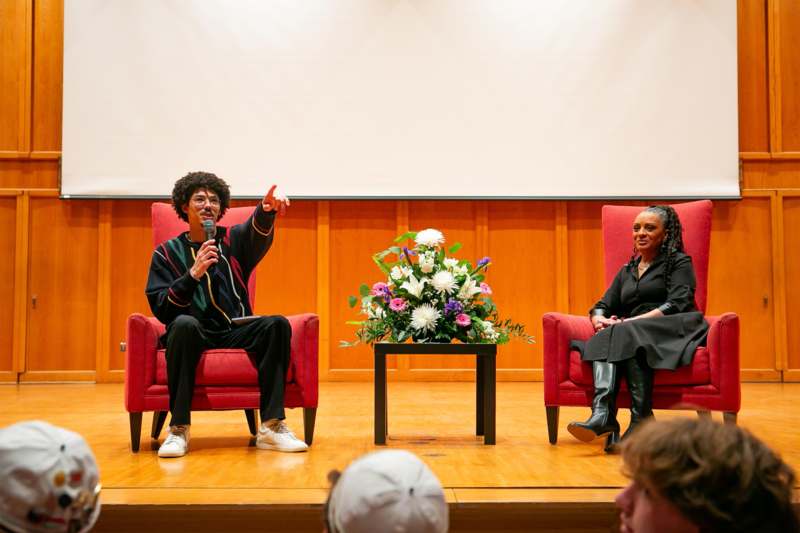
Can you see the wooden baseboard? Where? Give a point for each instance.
(757, 375)
(111, 376)
(8, 376)
(58, 376)
(792, 375)
(434, 374)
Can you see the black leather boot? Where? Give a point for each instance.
(640, 384)
(604, 405)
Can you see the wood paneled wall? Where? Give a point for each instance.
(76, 269)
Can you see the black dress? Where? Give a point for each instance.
(666, 342)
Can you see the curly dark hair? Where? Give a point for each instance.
(187, 185)
(673, 237)
(719, 476)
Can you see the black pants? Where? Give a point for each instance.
(268, 339)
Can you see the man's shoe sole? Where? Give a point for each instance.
(171, 455)
(266, 446)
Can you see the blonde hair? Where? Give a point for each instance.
(719, 476)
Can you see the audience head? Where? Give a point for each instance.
(694, 475)
(391, 490)
(193, 182)
(49, 480)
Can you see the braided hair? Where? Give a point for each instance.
(673, 237)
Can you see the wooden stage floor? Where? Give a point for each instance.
(523, 480)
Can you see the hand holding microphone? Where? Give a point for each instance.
(207, 255)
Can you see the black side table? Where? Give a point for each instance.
(485, 382)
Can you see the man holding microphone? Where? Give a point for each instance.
(197, 286)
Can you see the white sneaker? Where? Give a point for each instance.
(177, 442)
(275, 435)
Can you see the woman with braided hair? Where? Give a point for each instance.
(647, 319)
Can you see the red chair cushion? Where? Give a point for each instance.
(698, 373)
(225, 366)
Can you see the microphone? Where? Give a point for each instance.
(210, 229)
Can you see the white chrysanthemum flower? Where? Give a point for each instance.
(468, 289)
(427, 262)
(424, 317)
(413, 286)
(450, 263)
(399, 272)
(429, 237)
(444, 282)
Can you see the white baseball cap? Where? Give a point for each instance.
(390, 490)
(50, 480)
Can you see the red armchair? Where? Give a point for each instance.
(226, 378)
(710, 383)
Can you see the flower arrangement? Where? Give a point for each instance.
(430, 297)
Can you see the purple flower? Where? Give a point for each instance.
(380, 289)
(463, 320)
(483, 262)
(453, 307)
(409, 252)
(398, 304)
(485, 289)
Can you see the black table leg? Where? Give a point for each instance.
(490, 397)
(479, 392)
(381, 422)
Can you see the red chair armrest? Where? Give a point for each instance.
(305, 355)
(723, 351)
(559, 331)
(140, 358)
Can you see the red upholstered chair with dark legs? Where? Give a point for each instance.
(710, 383)
(226, 378)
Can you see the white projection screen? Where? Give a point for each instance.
(402, 98)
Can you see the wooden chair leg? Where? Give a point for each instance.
(309, 419)
(705, 415)
(251, 420)
(552, 423)
(159, 417)
(729, 417)
(136, 430)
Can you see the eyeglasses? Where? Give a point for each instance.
(201, 200)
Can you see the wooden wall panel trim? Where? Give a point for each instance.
(760, 375)
(47, 69)
(8, 270)
(104, 259)
(753, 84)
(46, 154)
(21, 256)
(401, 214)
(773, 73)
(562, 258)
(60, 376)
(8, 378)
(791, 264)
(779, 281)
(434, 375)
(755, 156)
(26, 73)
(324, 287)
